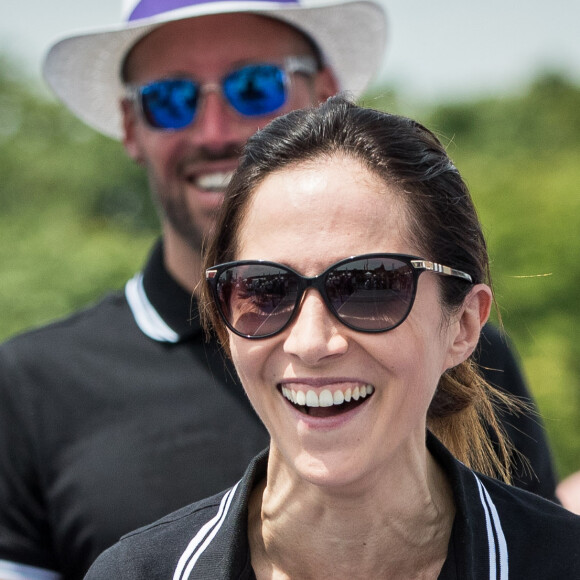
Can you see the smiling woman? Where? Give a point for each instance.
(349, 282)
(346, 193)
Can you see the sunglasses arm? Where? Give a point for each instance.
(440, 269)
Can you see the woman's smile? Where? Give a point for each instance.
(329, 401)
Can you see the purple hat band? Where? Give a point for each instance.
(149, 8)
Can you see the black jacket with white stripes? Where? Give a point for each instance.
(499, 533)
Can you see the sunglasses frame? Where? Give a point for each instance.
(305, 64)
(419, 265)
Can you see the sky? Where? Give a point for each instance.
(436, 50)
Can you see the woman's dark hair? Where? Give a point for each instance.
(443, 224)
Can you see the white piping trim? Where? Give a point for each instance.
(14, 571)
(493, 526)
(146, 317)
(503, 551)
(206, 534)
(490, 539)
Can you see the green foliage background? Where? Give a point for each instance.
(76, 220)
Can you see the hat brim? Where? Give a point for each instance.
(85, 70)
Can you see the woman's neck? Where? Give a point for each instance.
(399, 528)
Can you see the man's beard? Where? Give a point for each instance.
(172, 205)
(176, 212)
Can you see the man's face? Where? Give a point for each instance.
(187, 168)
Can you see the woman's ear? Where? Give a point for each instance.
(468, 322)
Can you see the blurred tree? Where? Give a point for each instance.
(76, 217)
(48, 157)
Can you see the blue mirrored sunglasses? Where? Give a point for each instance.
(253, 90)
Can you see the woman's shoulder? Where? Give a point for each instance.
(540, 539)
(517, 499)
(508, 529)
(187, 518)
(521, 508)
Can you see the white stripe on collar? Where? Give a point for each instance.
(146, 317)
(498, 567)
(15, 571)
(204, 537)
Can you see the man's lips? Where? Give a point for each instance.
(210, 182)
(215, 182)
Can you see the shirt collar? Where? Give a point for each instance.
(482, 553)
(224, 538)
(163, 310)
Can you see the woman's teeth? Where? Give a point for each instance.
(327, 398)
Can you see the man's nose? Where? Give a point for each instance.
(216, 123)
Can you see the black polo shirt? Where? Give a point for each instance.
(499, 533)
(107, 424)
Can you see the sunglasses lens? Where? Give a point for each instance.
(169, 104)
(256, 89)
(257, 300)
(374, 294)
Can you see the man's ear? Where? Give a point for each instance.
(130, 122)
(325, 85)
(469, 321)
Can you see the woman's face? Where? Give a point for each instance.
(308, 217)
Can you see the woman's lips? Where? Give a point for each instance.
(327, 401)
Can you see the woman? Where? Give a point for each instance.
(350, 289)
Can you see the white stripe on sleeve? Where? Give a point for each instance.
(15, 571)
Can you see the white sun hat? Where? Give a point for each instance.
(84, 70)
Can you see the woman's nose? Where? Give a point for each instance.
(315, 333)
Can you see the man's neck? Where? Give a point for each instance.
(182, 261)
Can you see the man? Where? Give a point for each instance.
(122, 412)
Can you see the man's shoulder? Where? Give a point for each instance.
(495, 347)
(109, 310)
(154, 551)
